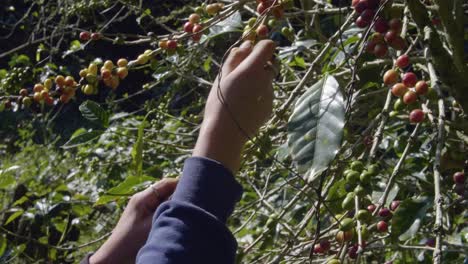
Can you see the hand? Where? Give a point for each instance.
(134, 225)
(240, 105)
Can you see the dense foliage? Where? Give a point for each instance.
(363, 159)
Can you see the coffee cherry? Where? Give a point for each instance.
(382, 226)
(60, 80)
(352, 177)
(363, 215)
(354, 3)
(361, 22)
(344, 236)
(361, 6)
(377, 38)
(194, 18)
(44, 94)
(346, 224)
(360, 191)
(384, 212)
(108, 64)
(69, 81)
(348, 202)
(368, 15)
(48, 100)
(262, 8)
(371, 208)
(352, 252)
(394, 205)
(421, 88)
(390, 36)
(64, 98)
(399, 89)
(357, 165)
(402, 61)
(23, 92)
(373, 169)
(142, 59)
(410, 79)
(88, 89)
(278, 12)
(395, 24)
(325, 245)
(390, 77)
(334, 261)
(163, 44)
(122, 62)
(213, 9)
(370, 46)
(380, 50)
(398, 43)
(410, 97)
(27, 101)
(459, 177)
(37, 97)
(381, 25)
(83, 73)
(172, 44)
(318, 249)
(197, 29)
(188, 27)
(122, 72)
(38, 87)
(105, 74)
(96, 36)
(262, 31)
(398, 105)
(365, 177)
(85, 36)
(416, 116)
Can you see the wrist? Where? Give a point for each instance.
(221, 141)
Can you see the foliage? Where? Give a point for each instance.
(338, 143)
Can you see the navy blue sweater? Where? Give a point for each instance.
(191, 227)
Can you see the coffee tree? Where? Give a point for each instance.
(363, 160)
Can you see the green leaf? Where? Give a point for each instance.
(409, 216)
(315, 128)
(81, 137)
(129, 186)
(3, 245)
(14, 216)
(207, 64)
(137, 151)
(95, 113)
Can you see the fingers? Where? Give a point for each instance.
(165, 187)
(261, 54)
(236, 56)
(149, 199)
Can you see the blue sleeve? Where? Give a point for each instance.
(191, 227)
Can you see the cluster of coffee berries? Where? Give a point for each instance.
(65, 88)
(459, 179)
(261, 32)
(408, 89)
(387, 33)
(85, 36)
(168, 45)
(274, 7)
(193, 26)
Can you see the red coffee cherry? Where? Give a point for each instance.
(382, 226)
(421, 88)
(416, 116)
(410, 79)
(402, 61)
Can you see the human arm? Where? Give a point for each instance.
(191, 227)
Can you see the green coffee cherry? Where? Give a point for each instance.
(360, 191)
(346, 224)
(357, 165)
(348, 202)
(365, 177)
(352, 177)
(364, 216)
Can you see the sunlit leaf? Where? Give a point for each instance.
(315, 128)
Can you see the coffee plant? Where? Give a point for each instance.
(362, 161)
